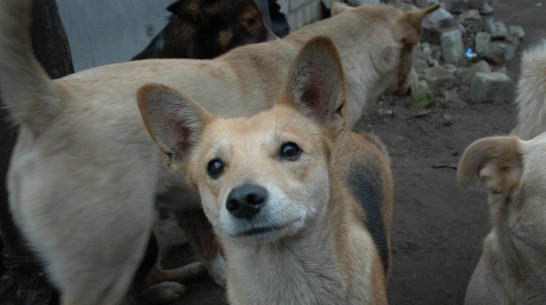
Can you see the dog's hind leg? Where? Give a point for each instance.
(89, 224)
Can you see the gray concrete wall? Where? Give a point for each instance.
(108, 31)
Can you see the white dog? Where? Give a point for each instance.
(512, 268)
(531, 100)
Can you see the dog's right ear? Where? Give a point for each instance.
(173, 120)
(497, 161)
(315, 84)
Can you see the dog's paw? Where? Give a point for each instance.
(217, 270)
(162, 293)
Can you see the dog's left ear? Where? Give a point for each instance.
(186, 9)
(408, 30)
(173, 120)
(497, 161)
(315, 84)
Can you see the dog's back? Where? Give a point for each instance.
(531, 100)
(206, 29)
(362, 162)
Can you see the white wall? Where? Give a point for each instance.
(108, 31)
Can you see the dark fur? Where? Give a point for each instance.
(369, 181)
(204, 29)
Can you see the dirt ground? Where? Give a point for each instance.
(438, 227)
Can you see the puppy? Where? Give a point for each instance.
(206, 29)
(512, 267)
(291, 230)
(531, 99)
(85, 171)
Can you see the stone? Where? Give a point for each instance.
(481, 43)
(420, 64)
(447, 119)
(438, 76)
(491, 87)
(499, 52)
(516, 32)
(429, 54)
(497, 29)
(434, 23)
(487, 9)
(458, 6)
(362, 2)
(425, 3)
(472, 14)
(452, 46)
(481, 66)
(477, 4)
(451, 68)
(423, 97)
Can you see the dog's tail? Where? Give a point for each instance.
(28, 93)
(531, 99)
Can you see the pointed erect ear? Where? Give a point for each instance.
(173, 120)
(186, 9)
(497, 161)
(315, 84)
(409, 25)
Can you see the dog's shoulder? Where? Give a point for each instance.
(362, 163)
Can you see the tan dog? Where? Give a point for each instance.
(291, 230)
(84, 175)
(512, 268)
(531, 100)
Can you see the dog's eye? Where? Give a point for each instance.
(290, 151)
(251, 22)
(215, 168)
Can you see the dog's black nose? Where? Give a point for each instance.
(246, 200)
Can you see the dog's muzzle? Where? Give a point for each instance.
(245, 201)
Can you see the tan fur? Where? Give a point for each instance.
(84, 160)
(531, 99)
(366, 152)
(303, 241)
(513, 264)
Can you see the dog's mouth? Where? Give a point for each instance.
(270, 231)
(258, 231)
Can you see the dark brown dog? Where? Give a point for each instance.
(204, 29)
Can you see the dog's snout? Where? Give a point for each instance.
(246, 201)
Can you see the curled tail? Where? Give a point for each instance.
(28, 93)
(531, 99)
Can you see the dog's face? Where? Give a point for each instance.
(260, 178)
(514, 171)
(228, 24)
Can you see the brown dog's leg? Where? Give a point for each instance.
(203, 240)
(155, 285)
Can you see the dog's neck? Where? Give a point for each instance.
(300, 269)
(524, 259)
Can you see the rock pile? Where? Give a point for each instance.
(462, 52)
